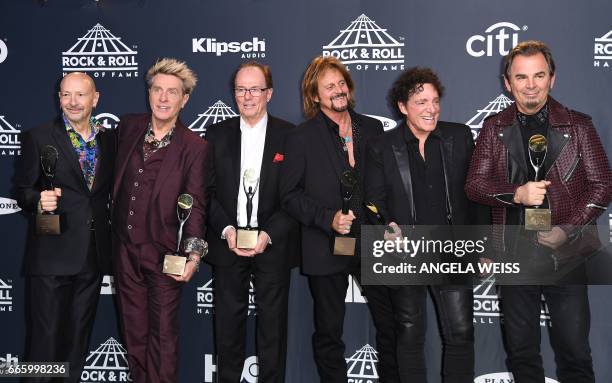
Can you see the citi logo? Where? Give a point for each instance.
(6, 295)
(250, 371)
(205, 298)
(388, 123)
(254, 48)
(9, 360)
(8, 206)
(101, 53)
(107, 120)
(107, 363)
(602, 51)
(3, 51)
(217, 112)
(498, 38)
(363, 45)
(494, 106)
(502, 377)
(108, 285)
(361, 367)
(353, 292)
(10, 145)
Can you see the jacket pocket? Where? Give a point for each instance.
(572, 168)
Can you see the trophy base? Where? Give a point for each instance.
(538, 219)
(344, 246)
(246, 238)
(174, 264)
(49, 224)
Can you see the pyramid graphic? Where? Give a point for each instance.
(607, 38)
(362, 364)
(218, 112)
(6, 127)
(363, 32)
(483, 290)
(99, 41)
(500, 103)
(111, 355)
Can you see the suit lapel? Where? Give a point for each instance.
(131, 139)
(66, 150)
(171, 158)
(329, 147)
(101, 162)
(556, 143)
(268, 155)
(234, 143)
(511, 137)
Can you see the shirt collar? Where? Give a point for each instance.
(409, 136)
(259, 127)
(541, 116)
(151, 135)
(94, 125)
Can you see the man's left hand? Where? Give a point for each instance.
(553, 238)
(190, 269)
(262, 242)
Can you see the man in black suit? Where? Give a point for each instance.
(320, 151)
(65, 271)
(249, 148)
(415, 175)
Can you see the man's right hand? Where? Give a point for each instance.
(48, 199)
(230, 237)
(342, 222)
(531, 194)
(397, 232)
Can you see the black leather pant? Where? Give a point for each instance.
(569, 334)
(408, 308)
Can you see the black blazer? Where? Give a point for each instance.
(390, 188)
(311, 190)
(223, 182)
(65, 254)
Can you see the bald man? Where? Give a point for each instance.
(64, 271)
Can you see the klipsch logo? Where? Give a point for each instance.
(361, 367)
(250, 371)
(499, 38)
(9, 360)
(498, 104)
(502, 377)
(218, 112)
(205, 298)
(101, 53)
(603, 51)
(6, 295)
(364, 45)
(3, 51)
(107, 363)
(108, 120)
(8, 206)
(9, 138)
(254, 48)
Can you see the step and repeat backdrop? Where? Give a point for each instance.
(115, 41)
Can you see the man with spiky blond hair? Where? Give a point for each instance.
(158, 159)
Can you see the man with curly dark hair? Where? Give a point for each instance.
(415, 175)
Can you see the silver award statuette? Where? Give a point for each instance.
(49, 223)
(246, 237)
(345, 244)
(174, 263)
(537, 218)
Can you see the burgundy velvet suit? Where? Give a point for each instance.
(148, 299)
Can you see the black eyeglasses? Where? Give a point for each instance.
(255, 92)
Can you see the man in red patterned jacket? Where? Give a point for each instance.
(574, 183)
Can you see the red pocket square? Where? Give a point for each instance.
(278, 157)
